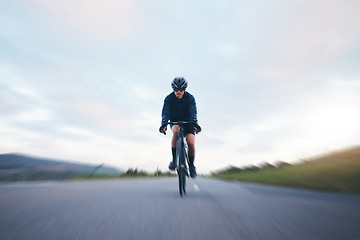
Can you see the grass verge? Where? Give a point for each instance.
(337, 171)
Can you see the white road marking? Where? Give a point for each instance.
(196, 187)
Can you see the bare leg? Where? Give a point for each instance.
(175, 130)
(190, 139)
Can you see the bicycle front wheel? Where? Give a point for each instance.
(182, 173)
(184, 180)
(181, 181)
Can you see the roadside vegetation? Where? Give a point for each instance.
(130, 173)
(335, 171)
(134, 173)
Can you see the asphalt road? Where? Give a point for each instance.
(153, 209)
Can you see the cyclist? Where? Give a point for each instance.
(180, 106)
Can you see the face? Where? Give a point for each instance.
(179, 94)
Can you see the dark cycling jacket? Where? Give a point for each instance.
(175, 109)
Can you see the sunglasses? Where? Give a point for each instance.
(177, 89)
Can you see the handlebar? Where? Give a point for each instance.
(180, 123)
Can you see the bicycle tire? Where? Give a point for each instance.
(184, 169)
(181, 170)
(180, 173)
(184, 181)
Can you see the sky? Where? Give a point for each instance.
(85, 80)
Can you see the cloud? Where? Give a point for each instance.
(77, 131)
(26, 91)
(37, 114)
(314, 35)
(103, 20)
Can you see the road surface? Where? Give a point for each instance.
(153, 209)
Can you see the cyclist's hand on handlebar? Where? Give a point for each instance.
(196, 126)
(163, 129)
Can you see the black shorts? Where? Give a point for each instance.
(188, 128)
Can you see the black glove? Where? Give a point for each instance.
(161, 129)
(163, 125)
(197, 125)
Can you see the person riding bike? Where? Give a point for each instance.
(180, 106)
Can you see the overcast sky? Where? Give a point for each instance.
(85, 80)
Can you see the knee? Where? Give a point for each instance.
(175, 132)
(175, 129)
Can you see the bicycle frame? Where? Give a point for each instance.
(182, 146)
(182, 158)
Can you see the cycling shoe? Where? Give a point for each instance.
(193, 172)
(172, 166)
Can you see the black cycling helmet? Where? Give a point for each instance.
(179, 83)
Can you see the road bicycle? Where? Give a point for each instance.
(182, 158)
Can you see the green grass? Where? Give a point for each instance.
(338, 171)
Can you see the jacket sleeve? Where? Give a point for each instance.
(192, 108)
(166, 109)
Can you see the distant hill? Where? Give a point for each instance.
(19, 167)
